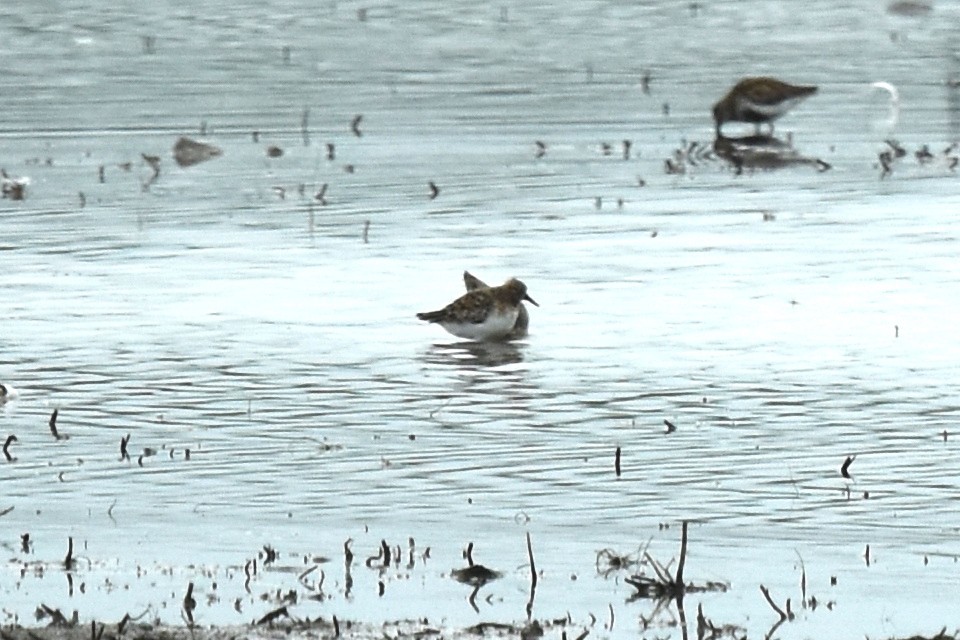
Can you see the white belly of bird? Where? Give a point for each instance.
(774, 110)
(495, 327)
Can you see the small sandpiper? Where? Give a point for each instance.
(758, 100)
(485, 313)
(520, 327)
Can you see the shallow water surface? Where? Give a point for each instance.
(781, 320)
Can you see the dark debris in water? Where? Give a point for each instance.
(189, 152)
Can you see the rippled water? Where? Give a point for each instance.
(782, 321)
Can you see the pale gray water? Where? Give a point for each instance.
(264, 335)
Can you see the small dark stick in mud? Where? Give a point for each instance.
(123, 448)
(273, 615)
(355, 126)
(6, 446)
(53, 424)
(347, 553)
(541, 149)
(670, 426)
(189, 604)
(616, 462)
(533, 567)
(68, 560)
(336, 627)
(846, 465)
(468, 554)
(434, 190)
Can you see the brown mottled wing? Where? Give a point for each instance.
(770, 91)
(472, 307)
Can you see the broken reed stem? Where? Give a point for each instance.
(662, 574)
(683, 554)
(533, 567)
(773, 605)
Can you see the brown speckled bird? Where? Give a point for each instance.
(520, 327)
(484, 313)
(758, 100)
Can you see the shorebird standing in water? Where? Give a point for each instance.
(486, 313)
(520, 327)
(758, 100)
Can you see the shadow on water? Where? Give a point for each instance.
(479, 354)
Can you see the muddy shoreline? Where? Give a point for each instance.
(289, 628)
(327, 629)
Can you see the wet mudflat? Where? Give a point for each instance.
(770, 349)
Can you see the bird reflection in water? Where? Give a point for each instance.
(763, 152)
(480, 354)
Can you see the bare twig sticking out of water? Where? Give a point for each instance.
(83, 199)
(110, 510)
(468, 554)
(154, 162)
(355, 125)
(123, 447)
(616, 462)
(347, 563)
(784, 615)
(57, 619)
(434, 190)
(53, 425)
(320, 196)
(366, 231)
(189, 604)
(803, 578)
(844, 468)
(269, 555)
(533, 577)
(541, 149)
(866, 555)
(336, 627)
(6, 446)
(411, 549)
(68, 560)
(383, 555)
(331, 151)
(626, 149)
(347, 553)
(670, 426)
(683, 555)
(6, 511)
(93, 630)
